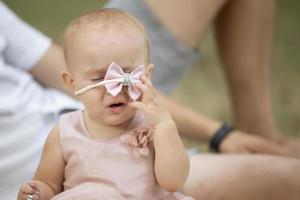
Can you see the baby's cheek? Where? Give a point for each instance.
(93, 98)
(100, 90)
(96, 95)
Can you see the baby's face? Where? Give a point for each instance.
(89, 59)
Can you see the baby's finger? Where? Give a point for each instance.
(26, 196)
(27, 188)
(142, 87)
(36, 196)
(145, 90)
(35, 186)
(148, 83)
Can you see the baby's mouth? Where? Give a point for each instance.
(116, 105)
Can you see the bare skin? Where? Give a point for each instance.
(224, 177)
(248, 53)
(47, 71)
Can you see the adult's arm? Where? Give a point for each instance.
(195, 125)
(48, 69)
(30, 50)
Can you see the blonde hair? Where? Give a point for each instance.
(104, 17)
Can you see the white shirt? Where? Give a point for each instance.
(27, 110)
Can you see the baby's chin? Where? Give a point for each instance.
(123, 119)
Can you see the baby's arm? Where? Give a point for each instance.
(171, 163)
(48, 178)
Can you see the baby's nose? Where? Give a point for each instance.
(125, 89)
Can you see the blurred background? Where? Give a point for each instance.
(209, 95)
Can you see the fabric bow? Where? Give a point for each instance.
(115, 79)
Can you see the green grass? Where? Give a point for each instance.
(209, 95)
(52, 17)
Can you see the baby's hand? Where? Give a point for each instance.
(29, 191)
(155, 113)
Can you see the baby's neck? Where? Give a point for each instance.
(105, 131)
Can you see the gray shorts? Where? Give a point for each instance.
(171, 58)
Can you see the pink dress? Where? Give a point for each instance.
(105, 168)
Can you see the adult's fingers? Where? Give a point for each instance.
(268, 147)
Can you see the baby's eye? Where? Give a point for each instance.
(97, 79)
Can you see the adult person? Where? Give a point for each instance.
(244, 31)
(23, 124)
(28, 62)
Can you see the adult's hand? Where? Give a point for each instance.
(240, 142)
(292, 144)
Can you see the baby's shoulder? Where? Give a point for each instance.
(73, 115)
(53, 136)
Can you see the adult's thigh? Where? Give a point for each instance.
(243, 177)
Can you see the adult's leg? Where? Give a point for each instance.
(244, 32)
(246, 177)
(186, 20)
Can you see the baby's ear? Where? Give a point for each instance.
(69, 81)
(149, 68)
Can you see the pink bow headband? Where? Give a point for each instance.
(115, 78)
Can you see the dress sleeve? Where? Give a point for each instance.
(24, 45)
